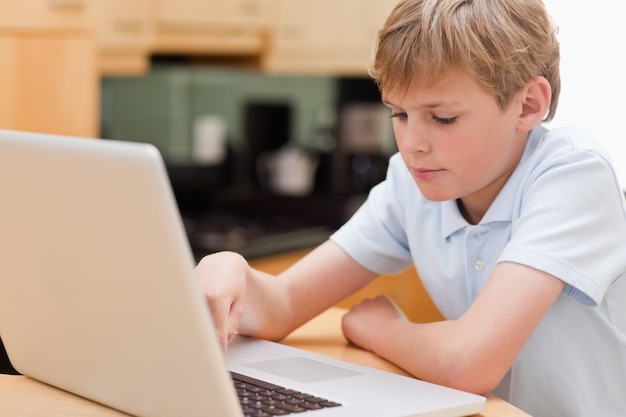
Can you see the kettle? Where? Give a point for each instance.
(287, 171)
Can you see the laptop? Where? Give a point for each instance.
(98, 297)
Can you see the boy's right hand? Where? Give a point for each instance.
(223, 278)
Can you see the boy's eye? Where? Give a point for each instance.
(444, 120)
(398, 114)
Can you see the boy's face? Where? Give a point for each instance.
(456, 141)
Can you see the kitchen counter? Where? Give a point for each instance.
(258, 225)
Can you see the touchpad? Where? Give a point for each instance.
(302, 369)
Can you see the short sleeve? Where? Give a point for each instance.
(571, 223)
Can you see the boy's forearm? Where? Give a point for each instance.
(267, 307)
(437, 352)
(279, 304)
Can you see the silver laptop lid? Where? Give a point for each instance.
(94, 263)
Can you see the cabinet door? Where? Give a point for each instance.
(123, 23)
(49, 84)
(205, 13)
(211, 26)
(124, 33)
(302, 24)
(324, 36)
(44, 14)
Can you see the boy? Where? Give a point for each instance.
(518, 233)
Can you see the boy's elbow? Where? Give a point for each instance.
(477, 374)
(472, 382)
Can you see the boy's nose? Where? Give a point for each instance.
(412, 140)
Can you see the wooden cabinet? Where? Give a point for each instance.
(324, 36)
(49, 84)
(48, 73)
(219, 27)
(124, 32)
(53, 52)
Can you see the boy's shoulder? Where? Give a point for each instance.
(562, 144)
(557, 162)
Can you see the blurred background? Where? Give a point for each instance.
(270, 126)
(263, 110)
(260, 163)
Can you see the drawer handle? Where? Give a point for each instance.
(250, 8)
(67, 5)
(128, 26)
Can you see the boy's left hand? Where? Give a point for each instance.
(363, 323)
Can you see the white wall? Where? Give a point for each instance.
(593, 71)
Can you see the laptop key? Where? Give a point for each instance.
(262, 399)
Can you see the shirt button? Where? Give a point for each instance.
(479, 265)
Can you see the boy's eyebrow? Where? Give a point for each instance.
(433, 105)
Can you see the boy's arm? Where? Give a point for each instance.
(472, 353)
(251, 302)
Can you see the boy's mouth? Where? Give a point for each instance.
(425, 173)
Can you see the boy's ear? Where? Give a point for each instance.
(535, 98)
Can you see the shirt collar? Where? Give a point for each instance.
(451, 219)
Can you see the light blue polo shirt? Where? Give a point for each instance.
(563, 212)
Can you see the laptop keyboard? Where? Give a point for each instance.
(262, 399)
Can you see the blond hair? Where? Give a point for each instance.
(502, 44)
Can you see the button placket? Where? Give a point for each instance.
(477, 258)
(478, 236)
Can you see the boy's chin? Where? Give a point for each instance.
(436, 194)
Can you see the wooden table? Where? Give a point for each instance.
(21, 396)
(323, 335)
